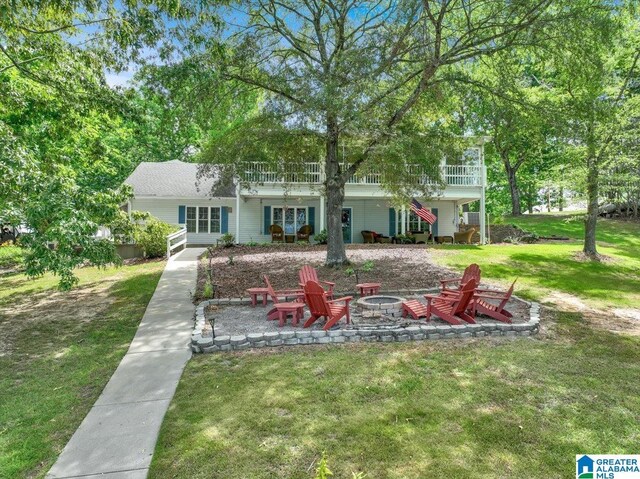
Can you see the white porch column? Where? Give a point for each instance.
(456, 216)
(238, 203)
(403, 220)
(483, 216)
(321, 212)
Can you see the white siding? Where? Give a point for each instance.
(446, 216)
(166, 209)
(367, 214)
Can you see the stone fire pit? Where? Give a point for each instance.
(381, 305)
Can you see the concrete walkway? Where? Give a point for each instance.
(117, 438)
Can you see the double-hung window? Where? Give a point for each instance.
(192, 224)
(215, 219)
(204, 219)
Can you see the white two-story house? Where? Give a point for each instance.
(172, 192)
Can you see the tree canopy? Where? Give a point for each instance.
(358, 85)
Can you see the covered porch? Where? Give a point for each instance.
(255, 216)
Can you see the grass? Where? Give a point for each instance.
(474, 409)
(456, 409)
(11, 257)
(547, 267)
(57, 352)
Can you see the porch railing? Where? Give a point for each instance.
(175, 240)
(259, 172)
(312, 173)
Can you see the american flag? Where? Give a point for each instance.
(422, 212)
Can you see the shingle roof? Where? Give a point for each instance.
(175, 179)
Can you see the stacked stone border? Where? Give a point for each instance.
(208, 344)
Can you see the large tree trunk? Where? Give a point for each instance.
(336, 255)
(529, 199)
(592, 207)
(561, 199)
(516, 209)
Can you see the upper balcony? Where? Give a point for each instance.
(312, 173)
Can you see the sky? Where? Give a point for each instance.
(118, 79)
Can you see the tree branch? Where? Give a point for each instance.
(63, 27)
(259, 84)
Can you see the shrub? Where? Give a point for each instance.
(152, 237)
(322, 237)
(228, 240)
(123, 229)
(207, 292)
(405, 239)
(529, 238)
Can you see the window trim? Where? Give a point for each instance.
(197, 220)
(282, 207)
(211, 208)
(186, 218)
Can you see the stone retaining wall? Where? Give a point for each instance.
(207, 344)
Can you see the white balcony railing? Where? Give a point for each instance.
(259, 172)
(312, 173)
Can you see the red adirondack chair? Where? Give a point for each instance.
(309, 273)
(495, 311)
(471, 272)
(298, 293)
(320, 307)
(452, 305)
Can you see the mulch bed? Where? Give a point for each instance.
(395, 266)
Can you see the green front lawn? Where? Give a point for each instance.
(57, 352)
(445, 409)
(547, 267)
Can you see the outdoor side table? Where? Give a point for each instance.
(368, 289)
(284, 309)
(255, 292)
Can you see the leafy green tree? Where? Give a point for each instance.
(595, 72)
(507, 102)
(64, 134)
(354, 82)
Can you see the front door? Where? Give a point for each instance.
(346, 225)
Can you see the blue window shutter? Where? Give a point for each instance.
(267, 219)
(224, 220)
(182, 214)
(392, 222)
(312, 219)
(434, 226)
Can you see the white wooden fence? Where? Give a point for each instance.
(180, 238)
